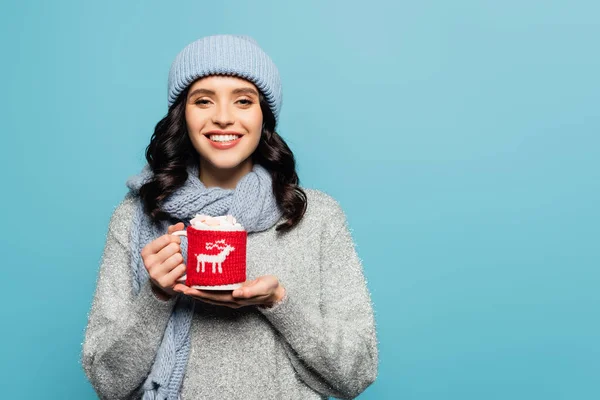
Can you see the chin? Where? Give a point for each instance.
(226, 161)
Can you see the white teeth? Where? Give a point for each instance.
(222, 138)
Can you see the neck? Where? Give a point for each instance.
(225, 178)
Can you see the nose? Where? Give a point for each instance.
(222, 116)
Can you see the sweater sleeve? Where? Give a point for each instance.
(123, 331)
(335, 350)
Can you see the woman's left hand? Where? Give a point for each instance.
(262, 291)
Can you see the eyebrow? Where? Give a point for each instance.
(246, 90)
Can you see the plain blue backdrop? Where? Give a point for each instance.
(461, 138)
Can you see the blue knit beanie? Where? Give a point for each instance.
(237, 55)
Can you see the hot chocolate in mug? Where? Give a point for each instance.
(216, 253)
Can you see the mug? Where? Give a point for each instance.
(216, 260)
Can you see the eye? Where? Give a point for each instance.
(202, 101)
(245, 102)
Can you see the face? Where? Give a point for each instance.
(224, 121)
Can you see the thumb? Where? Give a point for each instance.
(243, 290)
(177, 227)
(250, 283)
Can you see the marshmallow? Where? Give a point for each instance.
(220, 223)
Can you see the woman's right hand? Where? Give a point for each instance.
(164, 262)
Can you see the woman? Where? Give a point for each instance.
(300, 327)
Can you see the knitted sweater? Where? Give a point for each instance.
(319, 341)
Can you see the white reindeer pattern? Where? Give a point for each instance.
(215, 259)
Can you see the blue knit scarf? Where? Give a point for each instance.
(252, 203)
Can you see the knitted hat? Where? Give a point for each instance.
(237, 55)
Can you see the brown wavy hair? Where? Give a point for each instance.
(170, 151)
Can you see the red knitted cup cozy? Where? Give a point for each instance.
(215, 257)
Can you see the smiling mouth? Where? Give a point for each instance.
(222, 138)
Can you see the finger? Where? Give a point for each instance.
(180, 287)
(218, 298)
(166, 252)
(237, 303)
(215, 296)
(258, 288)
(245, 292)
(201, 294)
(170, 279)
(254, 300)
(219, 303)
(239, 292)
(158, 244)
(159, 271)
(250, 283)
(177, 227)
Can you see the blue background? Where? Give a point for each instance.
(460, 137)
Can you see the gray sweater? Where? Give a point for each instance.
(319, 341)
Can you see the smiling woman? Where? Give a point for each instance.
(304, 316)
